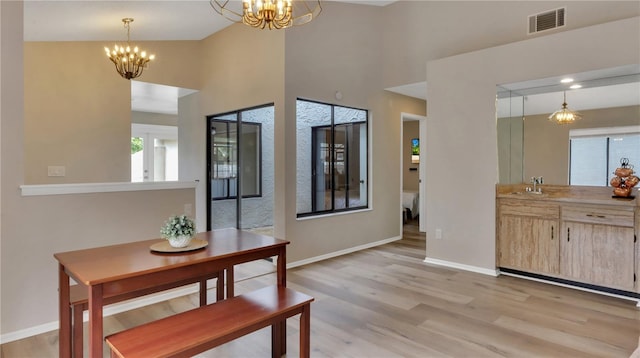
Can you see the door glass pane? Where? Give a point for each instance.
(250, 152)
(313, 185)
(357, 160)
(165, 159)
(137, 159)
(257, 173)
(340, 168)
(322, 169)
(351, 122)
(223, 174)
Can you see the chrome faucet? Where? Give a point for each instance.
(537, 181)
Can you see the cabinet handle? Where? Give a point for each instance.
(551, 232)
(595, 215)
(568, 234)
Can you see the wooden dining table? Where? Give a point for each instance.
(131, 267)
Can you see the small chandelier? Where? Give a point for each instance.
(271, 14)
(564, 115)
(129, 64)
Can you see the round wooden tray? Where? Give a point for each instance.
(164, 246)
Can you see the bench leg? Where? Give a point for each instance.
(203, 293)
(220, 286)
(230, 282)
(305, 332)
(77, 331)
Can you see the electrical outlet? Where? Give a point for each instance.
(56, 171)
(188, 209)
(439, 234)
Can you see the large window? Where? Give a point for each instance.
(596, 153)
(332, 158)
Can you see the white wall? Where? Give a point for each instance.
(461, 148)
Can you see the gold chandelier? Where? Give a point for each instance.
(564, 115)
(271, 14)
(129, 64)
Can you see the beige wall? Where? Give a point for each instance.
(316, 69)
(79, 116)
(34, 228)
(243, 68)
(410, 178)
(332, 53)
(464, 136)
(546, 144)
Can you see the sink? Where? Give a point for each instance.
(527, 193)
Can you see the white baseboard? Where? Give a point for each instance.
(341, 252)
(460, 266)
(170, 294)
(108, 311)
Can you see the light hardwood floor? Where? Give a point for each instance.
(385, 302)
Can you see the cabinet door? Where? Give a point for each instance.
(597, 254)
(529, 244)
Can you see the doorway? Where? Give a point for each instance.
(413, 169)
(240, 169)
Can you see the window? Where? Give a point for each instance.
(332, 158)
(596, 153)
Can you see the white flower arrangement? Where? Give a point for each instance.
(178, 225)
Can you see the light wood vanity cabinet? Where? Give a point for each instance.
(570, 233)
(528, 236)
(598, 245)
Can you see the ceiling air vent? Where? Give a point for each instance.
(546, 20)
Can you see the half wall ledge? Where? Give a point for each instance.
(84, 188)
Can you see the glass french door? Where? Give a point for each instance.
(240, 169)
(154, 153)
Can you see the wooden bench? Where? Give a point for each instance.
(188, 333)
(79, 302)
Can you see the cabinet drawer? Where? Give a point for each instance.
(598, 215)
(529, 208)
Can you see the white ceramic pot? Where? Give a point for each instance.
(179, 241)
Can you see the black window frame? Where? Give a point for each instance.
(332, 167)
(238, 113)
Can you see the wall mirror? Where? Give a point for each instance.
(530, 145)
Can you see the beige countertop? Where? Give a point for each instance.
(566, 194)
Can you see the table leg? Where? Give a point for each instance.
(282, 281)
(64, 332)
(305, 332)
(95, 321)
